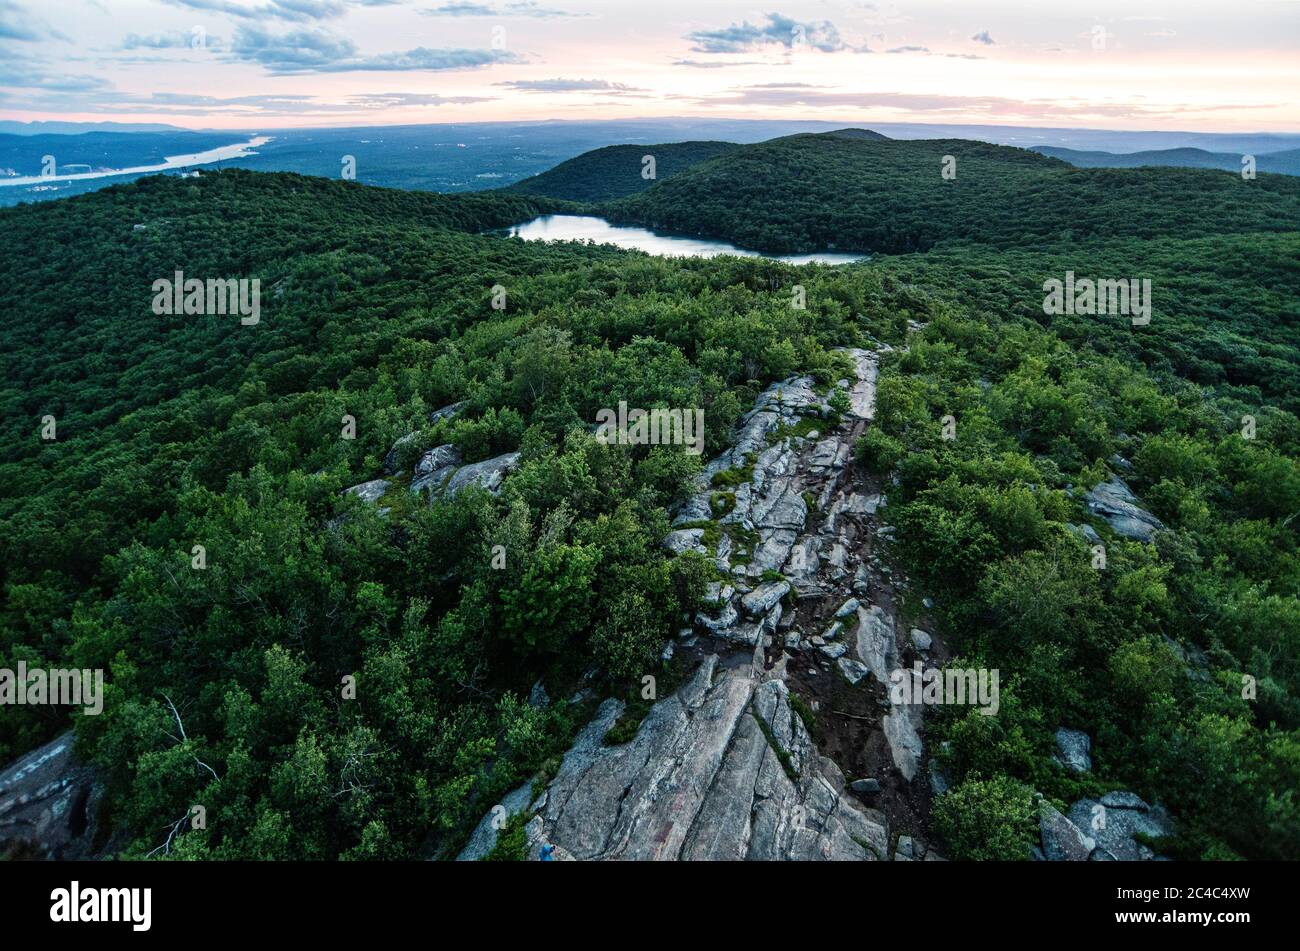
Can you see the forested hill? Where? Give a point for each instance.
(618, 170)
(825, 191)
(1283, 163)
(381, 307)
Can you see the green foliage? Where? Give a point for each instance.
(881, 195)
(616, 170)
(177, 431)
(987, 820)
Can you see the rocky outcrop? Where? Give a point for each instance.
(723, 769)
(1115, 502)
(371, 491)
(440, 473)
(392, 457)
(434, 467)
(48, 805)
(1105, 830)
(488, 474)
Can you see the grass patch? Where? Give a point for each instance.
(730, 478)
(807, 715)
(806, 426)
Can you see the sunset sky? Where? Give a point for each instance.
(262, 64)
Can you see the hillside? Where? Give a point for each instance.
(616, 170)
(817, 192)
(337, 557)
(1282, 163)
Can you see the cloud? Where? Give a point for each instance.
(459, 10)
(983, 37)
(26, 74)
(317, 51)
(720, 64)
(909, 49)
(251, 107)
(170, 40)
(570, 85)
(519, 8)
(780, 30)
(387, 100)
(975, 107)
(17, 24)
(292, 11)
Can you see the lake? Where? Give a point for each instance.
(591, 228)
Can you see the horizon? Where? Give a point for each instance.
(842, 123)
(338, 64)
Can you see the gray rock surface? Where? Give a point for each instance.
(390, 457)
(701, 780)
(447, 412)
(763, 598)
(484, 837)
(48, 805)
(488, 474)
(684, 540)
(1063, 841)
(1114, 827)
(1113, 501)
(1074, 750)
(371, 491)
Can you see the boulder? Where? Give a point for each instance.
(390, 458)
(371, 491)
(852, 670)
(488, 474)
(1113, 501)
(921, 640)
(447, 412)
(1073, 750)
(684, 540)
(762, 599)
(433, 468)
(875, 641)
(1114, 827)
(1062, 839)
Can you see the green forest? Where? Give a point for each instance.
(379, 305)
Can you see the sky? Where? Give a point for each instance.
(263, 64)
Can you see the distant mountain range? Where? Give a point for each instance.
(456, 157)
(9, 127)
(1283, 163)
